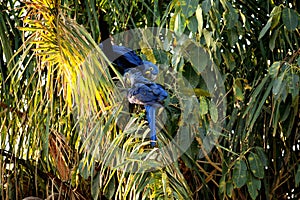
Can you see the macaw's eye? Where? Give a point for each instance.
(151, 69)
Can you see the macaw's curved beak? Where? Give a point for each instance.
(149, 75)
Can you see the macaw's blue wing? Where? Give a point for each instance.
(150, 115)
(123, 57)
(147, 94)
(128, 57)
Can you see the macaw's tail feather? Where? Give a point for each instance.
(150, 115)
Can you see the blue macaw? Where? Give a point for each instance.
(125, 58)
(146, 93)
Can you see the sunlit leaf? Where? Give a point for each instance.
(199, 19)
(179, 24)
(274, 69)
(276, 14)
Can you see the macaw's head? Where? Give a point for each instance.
(149, 70)
(133, 76)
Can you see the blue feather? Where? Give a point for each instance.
(150, 115)
(124, 58)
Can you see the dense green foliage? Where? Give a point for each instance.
(59, 106)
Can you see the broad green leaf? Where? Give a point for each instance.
(238, 90)
(294, 85)
(198, 58)
(229, 60)
(262, 155)
(288, 38)
(278, 84)
(265, 29)
(274, 69)
(297, 177)
(273, 39)
(192, 24)
(290, 18)
(276, 14)
(179, 25)
(203, 106)
(161, 57)
(253, 185)
(222, 184)
(256, 165)
(188, 7)
(229, 188)
(233, 37)
(239, 174)
(231, 17)
(206, 5)
(213, 111)
(167, 43)
(190, 75)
